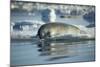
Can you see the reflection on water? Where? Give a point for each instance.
(58, 50)
(31, 53)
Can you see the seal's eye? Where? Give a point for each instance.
(48, 34)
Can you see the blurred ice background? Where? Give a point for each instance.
(27, 17)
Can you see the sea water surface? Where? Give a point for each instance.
(32, 53)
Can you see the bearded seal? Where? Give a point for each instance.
(52, 30)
